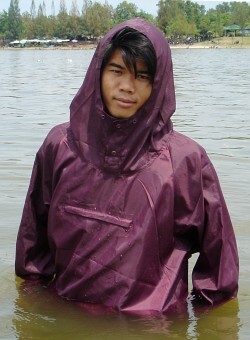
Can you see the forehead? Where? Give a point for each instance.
(117, 58)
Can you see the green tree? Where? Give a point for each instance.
(180, 29)
(74, 19)
(62, 22)
(212, 20)
(177, 28)
(27, 25)
(145, 15)
(125, 11)
(85, 18)
(194, 12)
(240, 13)
(168, 11)
(179, 17)
(4, 26)
(218, 18)
(32, 29)
(14, 20)
(96, 19)
(107, 15)
(29, 22)
(41, 21)
(224, 7)
(52, 22)
(204, 28)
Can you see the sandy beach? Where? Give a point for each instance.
(224, 42)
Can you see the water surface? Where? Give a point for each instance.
(213, 107)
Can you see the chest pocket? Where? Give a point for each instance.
(94, 222)
(98, 236)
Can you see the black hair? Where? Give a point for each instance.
(133, 46)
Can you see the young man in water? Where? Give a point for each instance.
(118, 200)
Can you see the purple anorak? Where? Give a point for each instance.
(116, 207)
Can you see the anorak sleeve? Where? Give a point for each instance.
(215, 274)
(33, 257)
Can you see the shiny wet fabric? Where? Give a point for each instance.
(115, 208)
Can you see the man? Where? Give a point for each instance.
(118, 200)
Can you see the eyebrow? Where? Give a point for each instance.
(116, 65)
(123, 68)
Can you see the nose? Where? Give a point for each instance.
(127, 83)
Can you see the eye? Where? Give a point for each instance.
(115, 71)
(143, 76)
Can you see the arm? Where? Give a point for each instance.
(33, 257)
(215, 275)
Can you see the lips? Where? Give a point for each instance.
(124, 102)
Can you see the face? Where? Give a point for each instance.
(122, 93)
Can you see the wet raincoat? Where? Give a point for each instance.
(116, 207)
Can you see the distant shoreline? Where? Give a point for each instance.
(51, 48)
(225, 43)
(194, 46)
(198, 46)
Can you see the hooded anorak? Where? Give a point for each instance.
(116, 207)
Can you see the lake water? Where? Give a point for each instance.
(213, 107)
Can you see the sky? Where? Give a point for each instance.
(149, 6)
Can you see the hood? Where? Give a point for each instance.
(124, 145)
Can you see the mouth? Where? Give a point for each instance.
(126, 103)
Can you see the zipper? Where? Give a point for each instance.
(92, 214)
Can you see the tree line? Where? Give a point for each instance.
(178, 19)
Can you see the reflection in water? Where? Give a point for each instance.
(39, 313)
(221, 322)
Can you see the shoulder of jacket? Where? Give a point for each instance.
(185, 144)
(54, 139)
(57, 133)
(185, 150)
